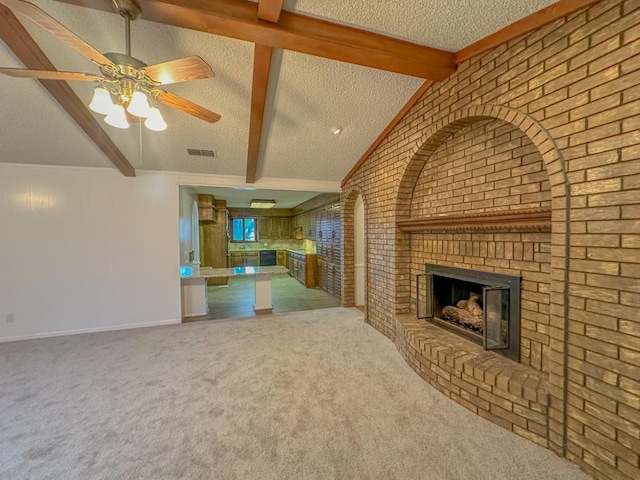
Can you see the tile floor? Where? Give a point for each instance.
(289, 295)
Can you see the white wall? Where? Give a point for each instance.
(86, 249)
(359, 258)
(187, 196)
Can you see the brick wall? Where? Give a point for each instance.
(489, 165)
(573, 88)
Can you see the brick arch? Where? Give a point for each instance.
(348, 201)
(437, 134)
(555, 166)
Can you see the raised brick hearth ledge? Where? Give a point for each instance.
(509, 394)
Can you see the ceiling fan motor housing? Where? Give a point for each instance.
(127, 8)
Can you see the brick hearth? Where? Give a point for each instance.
(510, 394)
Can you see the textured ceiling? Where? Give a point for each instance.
(445, 24)
(312, 95)
(307, 95)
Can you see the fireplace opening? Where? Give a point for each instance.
(480, 306)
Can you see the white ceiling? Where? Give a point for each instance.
(307, 95)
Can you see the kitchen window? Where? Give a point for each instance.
(243, 230)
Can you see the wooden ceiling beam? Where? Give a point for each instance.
(239, 19)
(29, 53)
(261, 66)
(270, 10)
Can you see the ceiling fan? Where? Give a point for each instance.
(124, 77)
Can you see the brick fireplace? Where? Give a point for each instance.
(525, 163)
(482, 307)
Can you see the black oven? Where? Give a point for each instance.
(267, 258)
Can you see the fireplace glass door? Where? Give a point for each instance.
(496, 317)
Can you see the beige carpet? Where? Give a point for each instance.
(309, 395)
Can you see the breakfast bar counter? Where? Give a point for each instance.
(194, 287)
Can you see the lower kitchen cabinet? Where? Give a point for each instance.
(330, 277)
(244, 259)
(251, 259)
(282, 258)
(304, 268)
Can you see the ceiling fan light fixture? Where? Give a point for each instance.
(139, 105)
(155, 121)
(117, 118)
(101, 102)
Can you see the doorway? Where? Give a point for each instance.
(359, 253)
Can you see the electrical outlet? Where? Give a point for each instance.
(9, 317)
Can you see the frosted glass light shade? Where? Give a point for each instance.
(155, 121)
(101, 102)
(139, 105)
(116, 117)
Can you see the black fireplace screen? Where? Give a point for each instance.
(483, 307)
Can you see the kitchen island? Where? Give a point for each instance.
(194, 287)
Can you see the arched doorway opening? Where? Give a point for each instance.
(359, 258)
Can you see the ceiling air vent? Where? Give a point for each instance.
(201, 153)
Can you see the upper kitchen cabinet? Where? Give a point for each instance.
(280, 227)
(207, 211)
(264, 229)
(274, 228)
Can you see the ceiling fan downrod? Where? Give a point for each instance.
(129, 10)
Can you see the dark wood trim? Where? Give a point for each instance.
(261, 66)
(29, 53)
(534, 218)
(376, 143)
(316, 202)
(527, 24)
(242, 212)
(270, 10)
(239, 19)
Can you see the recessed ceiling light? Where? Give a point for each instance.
(336, 130)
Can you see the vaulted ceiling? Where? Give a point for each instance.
(283, 79)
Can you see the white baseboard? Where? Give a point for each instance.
(89, 330)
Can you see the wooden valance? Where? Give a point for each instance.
(524, 219)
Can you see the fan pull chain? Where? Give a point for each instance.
(140, 142)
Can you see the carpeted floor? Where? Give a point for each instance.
(308, 395)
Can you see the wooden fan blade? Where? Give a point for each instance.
(51, 25)
(181, 70)
(49, 74)
(186, 106)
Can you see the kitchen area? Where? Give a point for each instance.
(234, 229)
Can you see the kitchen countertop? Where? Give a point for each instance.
(256, 250)
(208, 272)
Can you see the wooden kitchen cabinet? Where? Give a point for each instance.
(274, 228)
(244, 259)
(236, 259)
(282, 258)
(207, 211)
(304, 268)
(282, 227)
(251, 259)
(264, 229)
